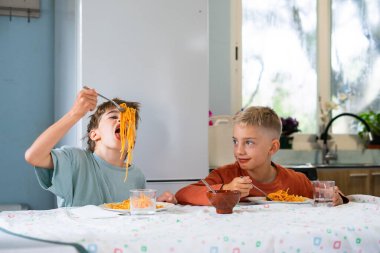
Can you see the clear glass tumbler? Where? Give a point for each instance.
(143, 201)
(323, 192)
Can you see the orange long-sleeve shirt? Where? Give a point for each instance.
(296, 182)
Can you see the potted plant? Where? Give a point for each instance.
(373, 120)
(289, 126)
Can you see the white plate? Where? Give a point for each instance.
(262, 200)
(165, 205)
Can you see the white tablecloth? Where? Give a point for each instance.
(354, 227)
(10, 243)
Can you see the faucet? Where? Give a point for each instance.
(327, 156)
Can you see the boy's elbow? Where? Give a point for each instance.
(38, 160)
(28, 157)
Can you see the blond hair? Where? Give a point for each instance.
(260, 116)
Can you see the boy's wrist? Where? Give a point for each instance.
(76, 115)
(224, 187)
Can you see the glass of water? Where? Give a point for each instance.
(323, 192)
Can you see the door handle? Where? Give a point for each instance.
(359, 175)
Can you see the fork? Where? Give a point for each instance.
(208, 186)
(263, 192)
(118, 107)
(266, 195)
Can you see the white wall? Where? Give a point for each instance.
(66, 44)
(220, 57)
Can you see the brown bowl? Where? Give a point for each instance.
(224, 200)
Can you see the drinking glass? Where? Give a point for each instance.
(323, 193)
(143, 201)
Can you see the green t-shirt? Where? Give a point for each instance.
(81, 178)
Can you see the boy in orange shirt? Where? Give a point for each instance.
(256, 136)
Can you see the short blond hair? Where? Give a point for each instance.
(259, 116)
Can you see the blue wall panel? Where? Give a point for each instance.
(26, 107)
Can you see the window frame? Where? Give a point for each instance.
(323, 52)
(323, 67)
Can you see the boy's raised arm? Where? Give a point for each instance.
(38, 153)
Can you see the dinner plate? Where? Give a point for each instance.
(262, 200)
(165, 206)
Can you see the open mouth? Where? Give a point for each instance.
(117, 132)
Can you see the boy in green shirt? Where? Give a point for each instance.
(87, 177)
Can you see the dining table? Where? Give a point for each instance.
(252, 227)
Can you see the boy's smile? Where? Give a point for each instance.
(243, 160)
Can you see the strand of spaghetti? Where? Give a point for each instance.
(127, 134)
(123, 128)
(131, 133)
(123, 132)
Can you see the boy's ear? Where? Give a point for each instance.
(93, 135)
(275, 146)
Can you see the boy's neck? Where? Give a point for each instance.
(110, 156)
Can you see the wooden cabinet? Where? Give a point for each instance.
(353, 180)
(375, 182)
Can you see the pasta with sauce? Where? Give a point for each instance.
(127, 134)
(283, 196)
(125, 205)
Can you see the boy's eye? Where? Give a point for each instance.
(234, 141)
(114, 117)
(249, 142)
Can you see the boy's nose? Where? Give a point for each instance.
(239, 149)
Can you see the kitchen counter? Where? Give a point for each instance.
(348, 166)
(308, 169)
(360, 158)
(351, 178)
(333, 166)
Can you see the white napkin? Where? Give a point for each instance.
(92, 212)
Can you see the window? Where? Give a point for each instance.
(355, 59)
(282, 47)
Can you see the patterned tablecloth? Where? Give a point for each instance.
(354, 227)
